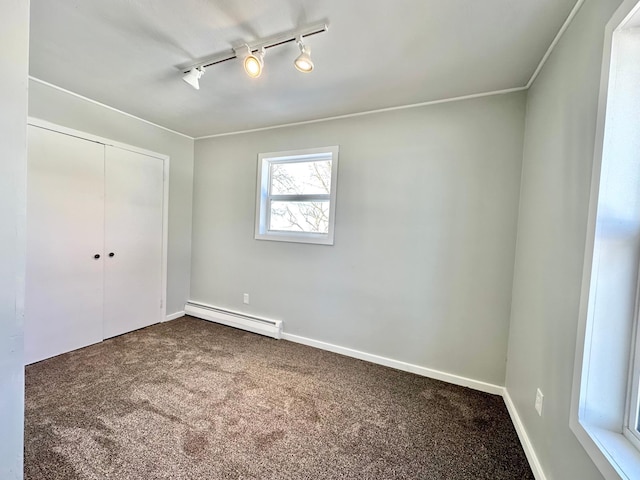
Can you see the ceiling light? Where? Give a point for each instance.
(192, 77)
(303, 63)
(253, 63)
(252, 54)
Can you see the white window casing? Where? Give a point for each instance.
(298, 205)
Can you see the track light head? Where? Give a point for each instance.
(303, 63)
(253, 63)
(193, 76)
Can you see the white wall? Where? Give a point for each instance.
(558, 156)
(421, 269)
(14, 61)
(59, 107)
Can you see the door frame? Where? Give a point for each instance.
(36, 122)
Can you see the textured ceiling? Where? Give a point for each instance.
(376, 54)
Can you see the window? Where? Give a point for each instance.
(296, 195)
(605, 402)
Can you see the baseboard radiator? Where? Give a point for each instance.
(262, 326)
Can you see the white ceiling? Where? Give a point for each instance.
(376, 54)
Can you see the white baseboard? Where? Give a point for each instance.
(173, 316)
(398, 365)
(262, 326)
(524, 438)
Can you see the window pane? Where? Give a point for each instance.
(301, 178)
(312, 217)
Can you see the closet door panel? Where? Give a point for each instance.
(65, 230)
(133, 234)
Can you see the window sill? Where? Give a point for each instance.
(318, 239)
(614, 455)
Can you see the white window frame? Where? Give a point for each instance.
(607, 362)
(632, 417)
(264, 197)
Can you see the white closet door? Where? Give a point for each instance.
(133, 241)
(65, 230)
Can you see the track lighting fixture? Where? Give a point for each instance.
(193, 76)
(252, 54)
(303, 63)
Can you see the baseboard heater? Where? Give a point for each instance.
(263, 326)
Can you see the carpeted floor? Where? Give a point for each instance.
(189, 399)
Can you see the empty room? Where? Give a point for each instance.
(320, 239)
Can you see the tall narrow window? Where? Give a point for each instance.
(605, 404)
(296, 195)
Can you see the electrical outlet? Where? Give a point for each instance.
(539, 401)
(245, 299)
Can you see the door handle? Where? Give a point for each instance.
(112, 254)
(96, 256)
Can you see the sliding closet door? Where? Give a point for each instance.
(65, 237)
(133, 241)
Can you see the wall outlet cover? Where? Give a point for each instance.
(539, 401)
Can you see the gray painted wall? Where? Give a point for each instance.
(14, 62)
(421, 270)
(558, 156)
(58, 107)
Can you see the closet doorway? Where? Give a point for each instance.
(96, 240)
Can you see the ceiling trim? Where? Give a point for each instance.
(95, 102)
(368, 112)
(555, 42)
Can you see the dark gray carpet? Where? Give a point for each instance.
(190, 399)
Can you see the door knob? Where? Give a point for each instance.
(96, 256)
(112, 254)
